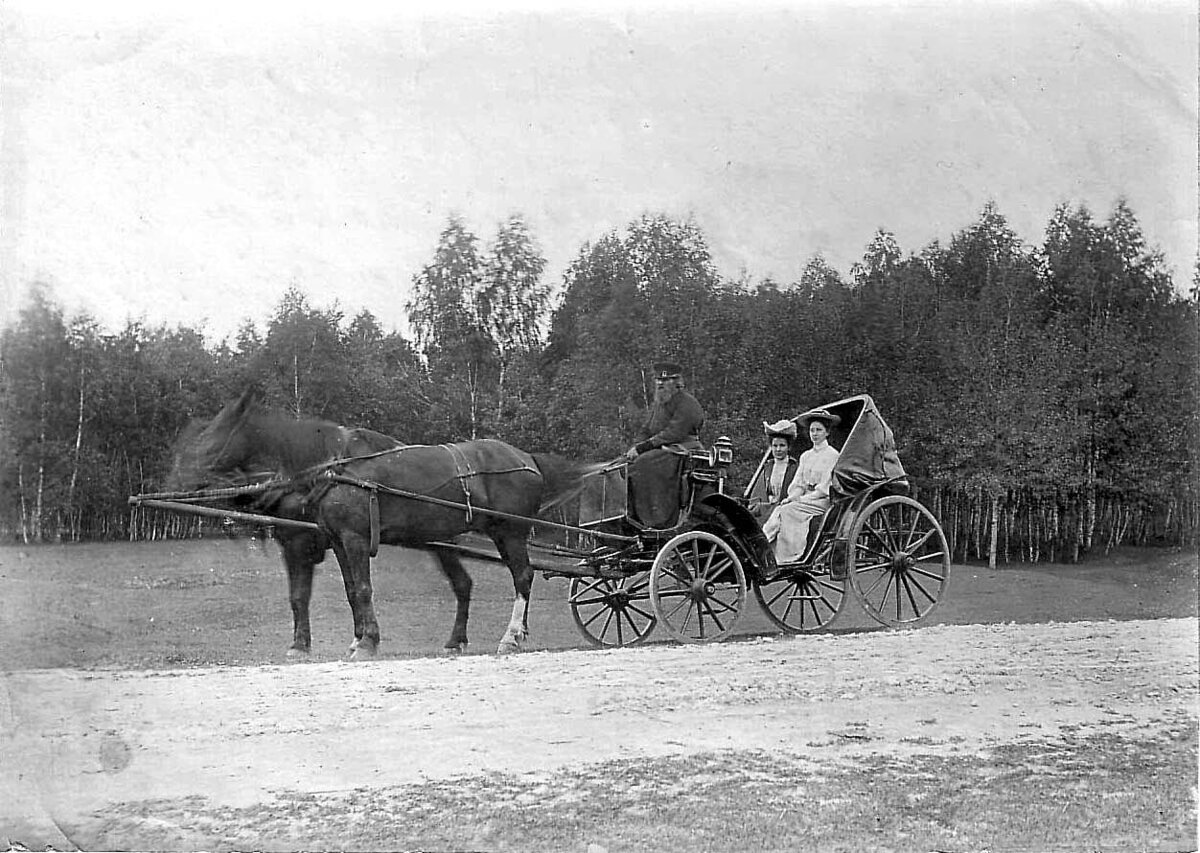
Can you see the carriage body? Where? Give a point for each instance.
(875, 545)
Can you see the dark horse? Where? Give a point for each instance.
(328, 476)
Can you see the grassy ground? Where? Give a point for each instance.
(200, 603)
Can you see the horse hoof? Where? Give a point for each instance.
(364, 651)
(508, 647)
(294, 652)
(454, 651)
(354, 643)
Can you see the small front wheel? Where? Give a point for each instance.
(697, 587)
(612, 612)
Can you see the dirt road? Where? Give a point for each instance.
(83, 746)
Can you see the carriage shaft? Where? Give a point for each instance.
(230, 514)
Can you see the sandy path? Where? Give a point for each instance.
(74, 742)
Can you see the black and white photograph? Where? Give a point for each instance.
(600, 427)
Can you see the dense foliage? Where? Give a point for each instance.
(1044, 398)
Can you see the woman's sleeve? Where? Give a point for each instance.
(825, 466)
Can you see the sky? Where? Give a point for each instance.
(185, 164)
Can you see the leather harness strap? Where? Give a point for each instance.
(464, 472)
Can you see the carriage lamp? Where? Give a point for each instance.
(722, 451)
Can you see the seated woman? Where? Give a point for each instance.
(808, 497)
(776, 473)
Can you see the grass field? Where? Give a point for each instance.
(221, 601)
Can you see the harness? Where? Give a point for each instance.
(467, 475)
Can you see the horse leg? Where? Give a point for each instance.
(301, 553)
(353, 554)
(460, 582)
(513, 550)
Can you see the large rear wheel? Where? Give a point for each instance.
(898, 561)
(612, 612)
(697, 587)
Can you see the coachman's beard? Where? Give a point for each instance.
(663, 394)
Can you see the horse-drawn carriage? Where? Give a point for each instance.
(692, 576)
(320, 486)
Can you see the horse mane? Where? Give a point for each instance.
(302, 443)
(285, 444)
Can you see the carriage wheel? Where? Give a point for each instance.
(612, 612)
(802, 602)
(697, 587)
(898, 561)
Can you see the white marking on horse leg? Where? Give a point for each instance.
(516, 633)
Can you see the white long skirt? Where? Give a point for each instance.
(788, 527)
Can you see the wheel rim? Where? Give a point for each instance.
(612, 612)
(807, 601)
(899, 561)
(697, 587)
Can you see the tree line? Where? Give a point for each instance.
(1044, 398)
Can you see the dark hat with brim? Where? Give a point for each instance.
(667, 370)
(824, 415)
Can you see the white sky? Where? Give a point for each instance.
(186, 164)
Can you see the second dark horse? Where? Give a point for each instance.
(245, 442)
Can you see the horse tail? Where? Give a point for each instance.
(563, 478)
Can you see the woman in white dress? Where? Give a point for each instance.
(808, 496)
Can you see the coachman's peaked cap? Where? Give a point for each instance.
(667, 370)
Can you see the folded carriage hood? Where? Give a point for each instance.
(866, 445)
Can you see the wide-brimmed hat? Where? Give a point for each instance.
(828, 417)
(667, 370)
(780, 429)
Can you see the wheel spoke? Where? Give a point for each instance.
(715, 571)
(886, 590)
(885, 541)
(911, 579)
(917, 570)
(711, 615)
(724, 605)
(913, 546)
(687, 616)
(683, 602)
(639, 611)
(911, 600)
(685, 578)
(882, 575)
(588, 588)
(912, 530)
(889, 531)
(595, 616)
(608, 623)
(874, 567)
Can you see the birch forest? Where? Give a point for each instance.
(1043, 398)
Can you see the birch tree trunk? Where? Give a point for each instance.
(993, 538)
(73, 515)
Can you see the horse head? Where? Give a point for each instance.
(225, 449)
